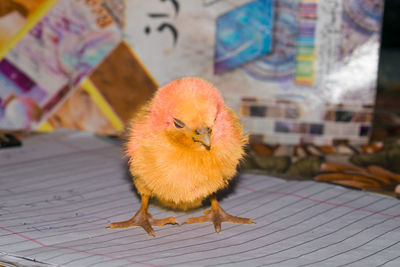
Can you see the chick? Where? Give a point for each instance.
(183, 147)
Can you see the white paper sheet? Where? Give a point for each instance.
(59, 191)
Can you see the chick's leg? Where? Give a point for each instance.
(217, 215)
(144, 219)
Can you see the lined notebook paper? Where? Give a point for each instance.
(60, 190)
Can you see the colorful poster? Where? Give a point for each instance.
(51, 60)
(316, 82)
(17, 17)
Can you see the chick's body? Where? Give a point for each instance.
(179, 175)
(184, 145)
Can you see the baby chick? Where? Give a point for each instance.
(183, 147)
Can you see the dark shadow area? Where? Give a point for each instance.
(387, 109)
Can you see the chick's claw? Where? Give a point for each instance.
(217, 215)
(141, 218)
(145, 220)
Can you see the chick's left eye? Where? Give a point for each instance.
(178, 123)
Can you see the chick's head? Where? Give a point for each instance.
(186, 111)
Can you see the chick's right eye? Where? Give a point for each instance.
(178, 123)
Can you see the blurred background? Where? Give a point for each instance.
(315, 82)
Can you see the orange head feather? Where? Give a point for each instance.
(187, 109)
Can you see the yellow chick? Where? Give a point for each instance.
(183, 147)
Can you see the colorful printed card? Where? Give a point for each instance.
(52, 59)
(243, 34)
(17, 17)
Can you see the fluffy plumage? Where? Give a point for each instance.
(184, 145)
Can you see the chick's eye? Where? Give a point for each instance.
(178, 123)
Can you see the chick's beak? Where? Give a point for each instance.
(202, 135)
(205, 140)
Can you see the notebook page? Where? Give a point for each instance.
(59, 191)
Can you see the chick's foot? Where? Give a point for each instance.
(144, 219)
(217, 215)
